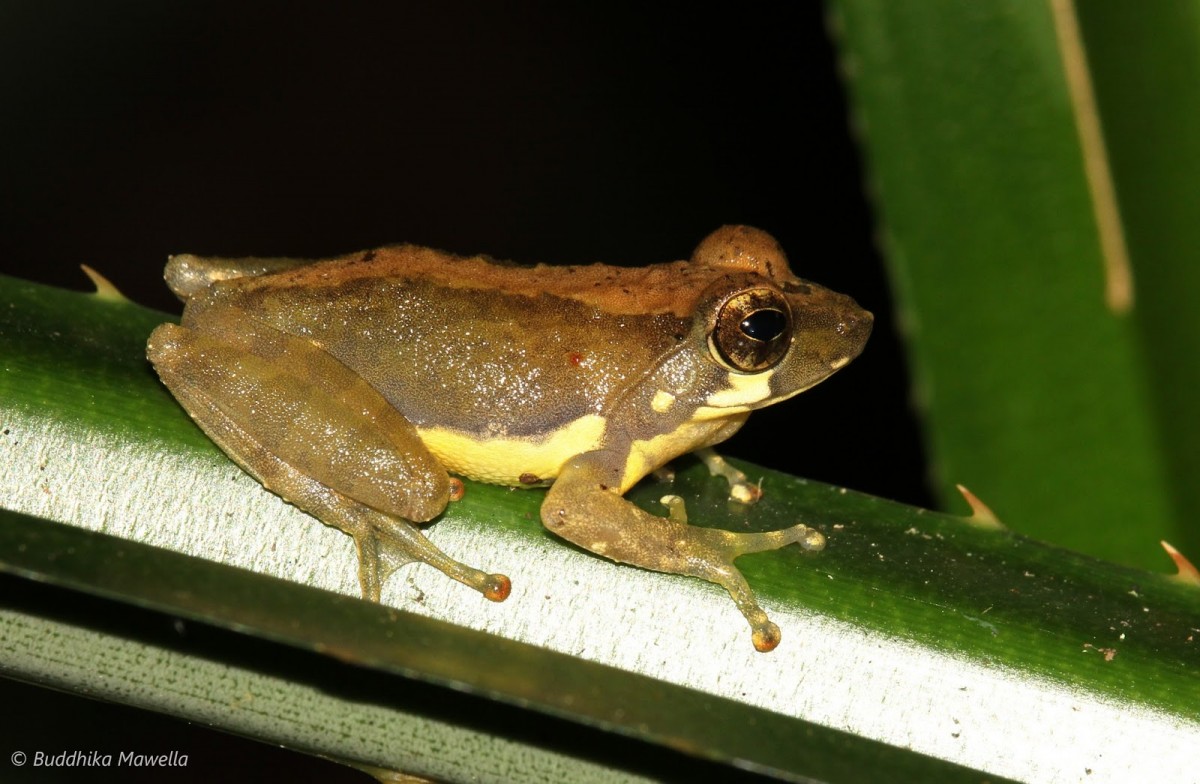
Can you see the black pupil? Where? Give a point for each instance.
(764, 325)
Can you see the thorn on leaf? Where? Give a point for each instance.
(981, 515)
(1187, 573)
(104, 287)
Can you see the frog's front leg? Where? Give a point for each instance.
(318, 435)
(585, 506)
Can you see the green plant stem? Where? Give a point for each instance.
(982, 647)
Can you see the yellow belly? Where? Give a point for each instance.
(513, 461)
(529, 461)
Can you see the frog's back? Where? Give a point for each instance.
(670, 287)
(467, 344)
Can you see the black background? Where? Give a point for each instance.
(556, 132)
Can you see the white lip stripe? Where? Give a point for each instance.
(743, 390)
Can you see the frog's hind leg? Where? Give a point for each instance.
(319, 436)
(584, 507)
(384, 544)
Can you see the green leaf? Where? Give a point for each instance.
(913, 633)
(1067, 412)
(1145, 63)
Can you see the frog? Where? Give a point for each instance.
(359, 388)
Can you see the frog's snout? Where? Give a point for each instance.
(856, 326)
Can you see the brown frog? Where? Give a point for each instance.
(353, 387)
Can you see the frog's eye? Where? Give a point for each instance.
(753, 330)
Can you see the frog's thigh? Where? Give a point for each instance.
(584, 507)
(318, 435)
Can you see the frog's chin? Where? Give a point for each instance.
(801, 375)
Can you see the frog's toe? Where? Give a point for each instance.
(810, 538)
(401, 542)
(766, 637)
(497, 588)
(385, 544)
(734, 545)
(676, 508)
(764, 633)
(711, 557)
(741, 489)
(745, 492)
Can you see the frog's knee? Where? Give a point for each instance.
(164, 342)
(424, 496)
